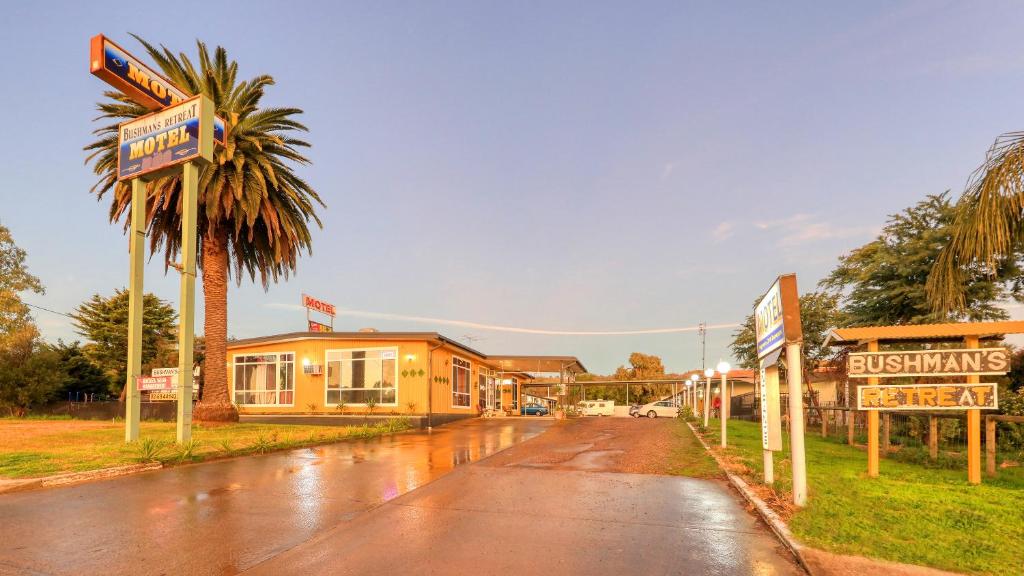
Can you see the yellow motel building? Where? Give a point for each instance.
(306, 375)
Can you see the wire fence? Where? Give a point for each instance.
(899, 431)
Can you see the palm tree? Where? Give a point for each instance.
(986, 236)
(254, 210)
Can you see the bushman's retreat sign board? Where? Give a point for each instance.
(165, 139)
(979, 361)
(928, 397)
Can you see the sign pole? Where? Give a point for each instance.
(136, 248)
(187, 303)
(973, 428)
(794, 377)
(873, 424)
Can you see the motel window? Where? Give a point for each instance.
(264, 379)
(356, 376)
(460, 383)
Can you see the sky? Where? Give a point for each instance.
(560, 166)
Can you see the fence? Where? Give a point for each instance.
(899, 430)
(160, 411)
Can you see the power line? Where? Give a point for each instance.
(48, 310)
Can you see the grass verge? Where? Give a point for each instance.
(910, 514)
(32, 448)
(688, 456)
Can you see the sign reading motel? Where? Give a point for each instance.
(115, 66)
(165, 139)
(318, 305)
(928, 397)
(971, 361)
(777, 316)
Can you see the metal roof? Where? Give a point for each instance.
(539, 364)
(947, 332)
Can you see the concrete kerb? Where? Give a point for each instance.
(7, 486)
(769, 516)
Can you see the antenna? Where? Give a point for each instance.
(702, 330)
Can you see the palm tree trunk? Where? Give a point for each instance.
(216, 403)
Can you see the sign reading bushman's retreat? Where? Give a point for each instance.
(981, 361)
(928, 397)
(117, 67)
(166, 138)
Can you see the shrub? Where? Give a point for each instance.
(312, 407)
(411, 406)
(187, 451)
(371, 403)
(148, 450)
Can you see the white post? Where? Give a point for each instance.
(723, 412)
(794, 375)
(707, 400)
(769, 468)
(187, 299)
(136, 249)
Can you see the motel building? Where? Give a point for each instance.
(433, 379)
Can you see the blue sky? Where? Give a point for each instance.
(552, 165)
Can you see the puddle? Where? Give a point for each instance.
(595, 460)
(574, 448)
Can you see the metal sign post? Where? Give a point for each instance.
(187, 298)
(136, 248)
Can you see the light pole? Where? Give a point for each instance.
(707, 395)
(693, 392)
(723, 412)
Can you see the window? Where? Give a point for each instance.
(264, 379)
(357, 376)
(460, 383)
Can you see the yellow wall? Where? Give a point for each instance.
(412, 388)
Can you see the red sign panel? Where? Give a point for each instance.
(318, 327)
(154, 382)
(318, 305)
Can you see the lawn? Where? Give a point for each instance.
(33, 448)
(688, 456)
(910, 514)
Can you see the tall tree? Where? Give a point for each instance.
(819, 311)
(883, 282)
(986, 235)
(14, 279)
(254, 212)
(82, 375)
(104, 322)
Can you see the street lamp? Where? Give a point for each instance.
(707, 395)
(693, 392)
(723, 413)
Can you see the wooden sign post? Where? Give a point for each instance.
(970, 395)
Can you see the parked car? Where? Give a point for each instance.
(597, 407)
(663, 408)
(535, 410)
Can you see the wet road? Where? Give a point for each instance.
(224, 517)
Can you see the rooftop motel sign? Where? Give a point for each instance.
(117, 67)
(164, 139)
(318, 305)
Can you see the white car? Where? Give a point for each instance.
(663, 408)
(597, 407)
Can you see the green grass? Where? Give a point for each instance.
(33, 448)
(688, 457)
(910, 513)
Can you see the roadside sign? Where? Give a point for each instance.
(771, 418)
(777, 316)
(145, 383)
(929, 397)
(963, 362)
(165, 139)
(115, 66)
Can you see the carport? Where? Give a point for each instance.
(566, 368)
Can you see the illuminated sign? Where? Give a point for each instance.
(928, 397)
(154, 382)
(318, 305)
(115, 66)
(970, 361)
(166, 138)
(318, 327)
(777, 316)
